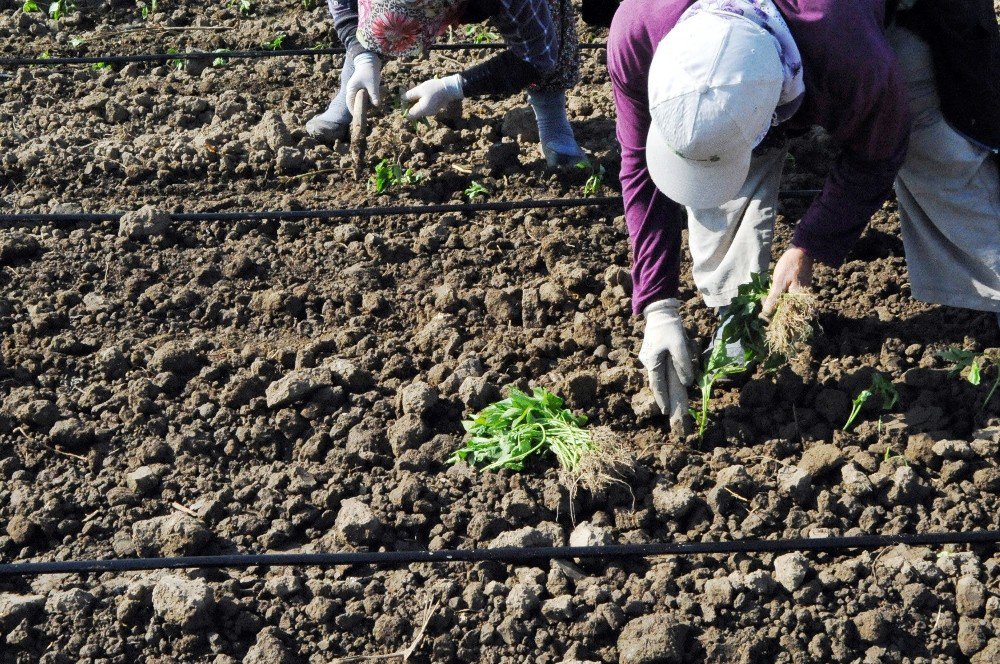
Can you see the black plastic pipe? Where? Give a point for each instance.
(340, 213)
(508, 555)
(230, 55)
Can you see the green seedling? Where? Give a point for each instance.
(276, 43)
(76, 41)
(388, 175)
(480, 34)
(974, 366)
(245, 7)
(149, 9)
(890, 455)
(60, 8)
(742, 323)
(595, 182)
(45, 56)
(879, 387)
(177, 63)
(30, 6)
(220, 61)
(507, 433)
(475, 190)
(308, 4)
(98, 66)
(402, 107)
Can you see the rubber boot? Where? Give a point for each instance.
(334, 123)
(559, 147)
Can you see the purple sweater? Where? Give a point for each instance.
(854, 90)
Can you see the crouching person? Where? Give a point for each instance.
(542, 55)
(705, 92)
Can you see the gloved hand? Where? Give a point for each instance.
(433, 96)
(665, 355)
(367, 76)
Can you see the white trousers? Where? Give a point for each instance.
(949, 200)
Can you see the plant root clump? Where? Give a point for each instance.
(605, 461)
(791, 326)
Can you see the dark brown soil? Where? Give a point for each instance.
(296, 386)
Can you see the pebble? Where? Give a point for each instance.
(654, 639)
(186, 603)
(820, 459)
(970, 596)
(790, 570)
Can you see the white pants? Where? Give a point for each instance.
(949, 201)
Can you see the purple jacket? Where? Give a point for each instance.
(854, 90)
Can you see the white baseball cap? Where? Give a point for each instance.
(714, 84)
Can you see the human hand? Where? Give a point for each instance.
(433, 96)
(665, 356)
(367, 76)
(792, 272)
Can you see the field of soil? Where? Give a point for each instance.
(196, 388)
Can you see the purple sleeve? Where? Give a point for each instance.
(865, 110)
(654, 221)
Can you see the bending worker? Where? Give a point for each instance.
(705, 93)
(542, 55)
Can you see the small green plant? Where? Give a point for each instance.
(276, 43)
(30, 6)
(98, 66)
(479, 33)
(475, 190)
(308, 4)
(245, 7)
(880, 387)
(507, 433)
(148, 9)
(974, 365)
(76, 41)
(60, 8)
(220, 61)
(742, 323)
(45, 56)
(595, 182)
(388, 175)
(177, 63)
(890, 455)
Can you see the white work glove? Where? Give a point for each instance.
(665, 355)
(367, 76)
(433, 96)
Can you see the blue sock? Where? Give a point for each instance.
(554, 130)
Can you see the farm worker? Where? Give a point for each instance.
(542, 55)
(707, 91)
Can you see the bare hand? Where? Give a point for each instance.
(792, 272)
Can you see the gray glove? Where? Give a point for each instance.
(367, 76)
(665, 356)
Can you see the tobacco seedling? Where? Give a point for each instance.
(243, 6)
(177, 63)
(275, 44)
(595, 182)
(220, 61)
(741, 323)
(60, 8)
(149, 9)
(98, 66)
(388, 175)
(475, 189)
(480, 34)
(977, 365)
(879, 387)
(30, 6)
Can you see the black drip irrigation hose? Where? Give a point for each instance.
(508, 555)
(232, 55)
(340, 213)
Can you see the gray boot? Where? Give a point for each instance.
(334, 123)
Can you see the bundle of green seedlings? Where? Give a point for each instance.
(506, 433)
(974, 366)
(880, 387)
(788, 332)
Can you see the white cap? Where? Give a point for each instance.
(714, 84)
